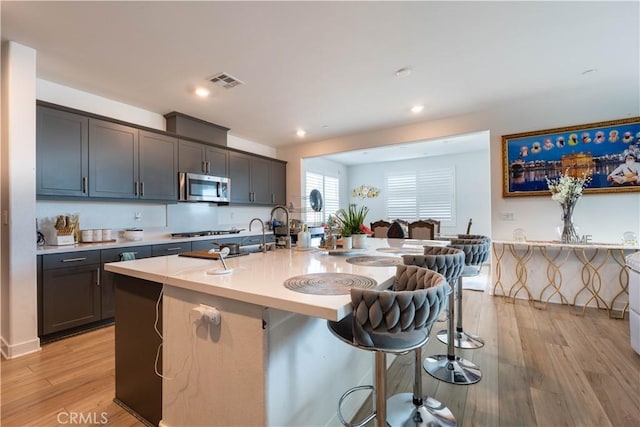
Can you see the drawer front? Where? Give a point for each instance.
(257, 240)
(201, 245)
(113, 255)
(170, 248)
(70, 259)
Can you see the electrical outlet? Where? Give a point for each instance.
(508, 216)
(137, 216)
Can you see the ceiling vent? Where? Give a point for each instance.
(225, 80)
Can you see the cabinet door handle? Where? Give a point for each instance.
(97, 276)
(141, 188)
(135, 188)
(273, 198)
(204, 167)
(84, 185)
(74, 259)
(174, 249)
(208, 167)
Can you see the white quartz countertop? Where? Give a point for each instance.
(258, 278)
(633, 261)
(151, 240)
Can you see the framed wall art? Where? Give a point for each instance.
(609, 152)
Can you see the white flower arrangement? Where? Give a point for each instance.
(365, 191)
(567, 189)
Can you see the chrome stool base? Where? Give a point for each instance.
(462, 340)
(403, 412)
(452, 370)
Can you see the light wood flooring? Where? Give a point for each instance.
(540, 367)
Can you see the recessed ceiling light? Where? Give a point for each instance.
(417, 109)
(403, 72)
(201, 92)
(301, 133)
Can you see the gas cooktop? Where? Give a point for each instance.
(206, 233)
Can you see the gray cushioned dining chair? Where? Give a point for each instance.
(395, 321)
(450, 262)
(476, 253)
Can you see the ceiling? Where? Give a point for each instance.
(327, 67)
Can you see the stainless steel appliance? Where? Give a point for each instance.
(193, 187)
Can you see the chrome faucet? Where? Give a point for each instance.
(286, 213)
(264, 240)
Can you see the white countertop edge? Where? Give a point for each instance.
(335, 311)
(596, 245)
(121, 243)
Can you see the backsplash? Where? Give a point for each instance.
(152, 218)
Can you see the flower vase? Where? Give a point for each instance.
(569, 234)
(359, 241)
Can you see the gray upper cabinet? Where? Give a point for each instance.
(62, 153)
(158, 156)
(126, 163)
(113, 160)
(256, 180)
(195, 157)
(278, 183)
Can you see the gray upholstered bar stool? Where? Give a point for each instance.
(395, 321)
(476, 253)
(446, 367)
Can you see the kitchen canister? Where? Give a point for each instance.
(304, 238)
(97, 235)
(106, 234)
(86, 235)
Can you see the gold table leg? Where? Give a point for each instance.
(554, 275)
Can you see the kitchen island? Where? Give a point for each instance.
(271, 360)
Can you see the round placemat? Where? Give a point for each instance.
(375, 261)
(401, 250)
(328, 283)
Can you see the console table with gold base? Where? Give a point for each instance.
(589, 275)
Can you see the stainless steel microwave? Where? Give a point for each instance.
(193, 187)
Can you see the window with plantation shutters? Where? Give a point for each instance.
(329, 187)
(422, 194)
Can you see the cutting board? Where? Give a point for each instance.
(201, 254)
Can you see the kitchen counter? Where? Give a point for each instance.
(258, 278)
(150, 240)
(271, 348)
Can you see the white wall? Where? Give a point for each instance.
(472, 188)
(604, 216)
(19, 295)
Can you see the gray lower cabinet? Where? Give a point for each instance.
(62, 153)
(70, 291)
(108, 278)
(195, 157)
(137, 344)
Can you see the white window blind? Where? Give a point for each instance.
(422, 194)
(329, 187)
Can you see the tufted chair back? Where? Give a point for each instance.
(415, 302)
(444, 260)
(473, 237)
(476, 251)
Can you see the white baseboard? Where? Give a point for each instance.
(20, 349)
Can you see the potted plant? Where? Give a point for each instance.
(350, 221)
